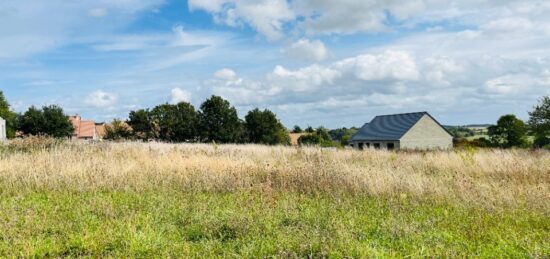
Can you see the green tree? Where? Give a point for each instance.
(50, 121)
(218, 121)
(509, 132)
(7, 114)
(263, 127)
(320, 137)
(297, 129)
(118, 130)
(176, 123)
(141, 124)
(539, 122)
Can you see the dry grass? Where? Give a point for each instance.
(510, 178)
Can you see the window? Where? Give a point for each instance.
(360, 146)
(390, 146)
(376, 145)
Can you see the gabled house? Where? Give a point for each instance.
(418, 130)
(3, 129)
(86, 129)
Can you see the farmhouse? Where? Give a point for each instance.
(2, 129)
(86, 129)
(418, 130)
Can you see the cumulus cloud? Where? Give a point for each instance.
(179, 95)
(307, 50)
(101, 99)
(225, 74)
(265, 16)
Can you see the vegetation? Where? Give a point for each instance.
(539, 122)
(460, 132)
(263, 127)
(509, 132)
(118, 130)
(62, 199)
(320, 137)
(49, 120)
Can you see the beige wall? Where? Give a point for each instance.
(426, 134)
(2, 129)
(383, 144)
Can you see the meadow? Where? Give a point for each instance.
(62, 199)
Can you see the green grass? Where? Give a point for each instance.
(167, 222)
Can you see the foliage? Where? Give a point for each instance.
(319, 137)
(141, 125)
(297, 129)
(263, 127)
(465, 143)
(118, 130)
(539, 122)
(310, 129)
(7, 114)
(49, 121)
(342, 135)
(509, 132)
(218, 121)
(175, 123)
(460, 132)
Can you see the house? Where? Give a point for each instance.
(86, 129)
(2, 129)
(418, 130)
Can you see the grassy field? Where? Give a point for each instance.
(194, 200)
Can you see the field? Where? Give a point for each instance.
(199, 200)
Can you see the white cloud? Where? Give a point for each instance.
(101, 99)
(265, 16)
(97, 12)
(35, 26)
(179, 95)
(307, 50)
(225, 74)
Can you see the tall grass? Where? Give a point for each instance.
(488, 178)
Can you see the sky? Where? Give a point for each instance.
(312, 62)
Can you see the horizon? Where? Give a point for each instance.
(306, 61)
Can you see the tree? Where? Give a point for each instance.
(8, 115)
(539, 122)
(297, 129)
(176, 123)
(50, 121)
(118, 130)
(141, 124)
(509, 132)
(310, 129)
(320, 136)
(218, 121)
(263, 127)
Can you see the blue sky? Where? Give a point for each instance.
(313, 62)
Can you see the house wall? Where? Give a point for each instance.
(383, 144)
(2, 129)
(426, 134)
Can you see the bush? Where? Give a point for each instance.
(33, 144)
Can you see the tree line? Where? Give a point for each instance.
(510, 131)
(215, 121)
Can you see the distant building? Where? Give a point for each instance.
(87, 129)
(417, 130)
(3, 129)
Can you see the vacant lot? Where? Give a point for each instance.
(143, 200)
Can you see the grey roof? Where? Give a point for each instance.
(389, 127)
